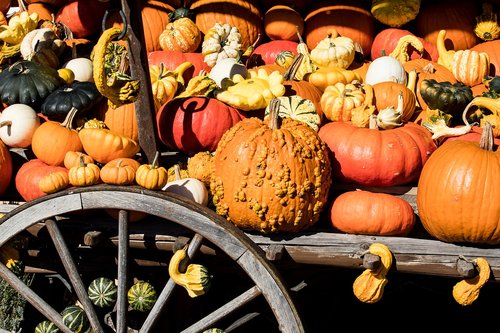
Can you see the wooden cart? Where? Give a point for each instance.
(68, 233)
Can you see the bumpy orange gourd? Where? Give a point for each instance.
(271, 178)
(180, 35)
(458, 197)
(371, 213)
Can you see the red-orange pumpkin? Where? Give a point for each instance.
(82, 17)
(5, 167)
(28, 176)
(195, 124)
(371, 213)
(492, 49)
(375, 157)
(266, 53)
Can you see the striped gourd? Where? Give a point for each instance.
(46, 327)
(298, 108)
(75, 318)
(102, 292)
(214, 330)
(142, 296)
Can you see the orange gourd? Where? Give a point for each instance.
(84, 174)
(180, 35)
(72, 158)
(371, 213)
(386, 95)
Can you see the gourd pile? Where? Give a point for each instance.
(273, 102)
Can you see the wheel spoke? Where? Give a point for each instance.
(123, 239)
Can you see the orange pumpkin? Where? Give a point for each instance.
(120, 171)
(72, 158)
(121, 120)
(371, 213)
(491, 48)
(180, 35)
(43, 10)
(386, 95)
(5, 167)
(282, 23)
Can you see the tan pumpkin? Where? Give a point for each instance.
(104, 145)
(180, 35)
(120, 171)
(334, 51)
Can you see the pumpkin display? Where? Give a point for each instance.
(180, 35)
(52, 140)
(29, 175)
(75, 318)
(27, 82)
(182, 123)
(104, 145)
(6, 167)
(282, 22)
(244, 15)
(363, 212)
(373, 157)
(445, 189)
(18, 122)
(263, 181)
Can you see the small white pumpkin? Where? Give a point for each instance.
(190, 188)
(385, 68)
(227, 68)
(334, 51)
(18, 122)
(83, 69)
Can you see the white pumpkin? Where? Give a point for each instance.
(83, 69)
(385, 68)
(18, 122)
(227, 68)
(191, 188)
(334, 51)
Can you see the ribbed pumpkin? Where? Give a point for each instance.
(105, 145)
(269, 178)
(72, 158)
(121, 120)
(142, 296)
(386, 95)
(120, 171)
(5, 167)
(180, 35)
(470, 67)
(46, 326)
(371, 213)
(183, 122)
(244, 15)
(102, 292)
(374, 157)
(458, 197)
(351, 18)
(75, 318)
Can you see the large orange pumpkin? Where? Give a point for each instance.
(458, 197)
(5, 167)
(121, 120)
(82, 17)
(375, 157)
(351, 18)
(491, 48)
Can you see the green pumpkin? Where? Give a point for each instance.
(445, 96)
(75, 319)
(46, 327)
(27, 82)
(79, 95)
(142, 296)
(102, 292)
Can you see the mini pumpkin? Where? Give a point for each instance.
(72, 158)
(84, 174)
(54, 182)
(18, 123)
(334, 51)
(339, 100)
(151, 176)
(180, 35)
(120, 171)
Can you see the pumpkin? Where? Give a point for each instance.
(327, 76)
(227, 68)
(165, 84)
(267, 53)
(104, 145)
(449, 98)
(44, 11)
(120, 171)
(54, 182)
(282, 22)
(395, 13)
(333, 51)
(457, 196)
(470, 67)
(386, 68)
(82, 17)
(490, 48)
(386, 95)
(172, 59)
(84, 174)
(190, 188)
(363, 212)
(458, 17)
(350, 18)
(182, 123)
(180, 35)
(339, 100)
(79, 95)
(27, 82)
(388, 39)
(29, 175)
(373, 157)
(103, 292)
(72, 158)
(52, 140)
(271, 178)
(244, 15)
(46, 326)
(75, 318)
(220, 42)
(120, 120)
(6, 167)
(18, 122)
(82, 68)
(142, 296)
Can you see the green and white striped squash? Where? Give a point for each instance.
(298, 108)
(75, 318)
(46, 326)
(103, 292)
(214, 330)
(142, 296)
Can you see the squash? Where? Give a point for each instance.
(326, 76)
(267, 53)
(263, 181)
(465, 292)
(227, 68)
(102, 292)
(386, 95)
(120, 171)
(151, 176)
(75, 318)
(180, 35)
(28, 177)
(340, 99)
(334, 51)
(6, 167)
(82, 68)
(72, 158)
(449, 98)
(46, 326)
(220, 42)
(120, 120)
(54, 182)
(142, 296)
(363, 212)
(84, 174)
(395, 13)
(487, 27)
(386, 68)
(172, 59)
(18, 122)
(190, 188)
(165, 84)
(298, 108)
(402, 43)
(83, 18)
(470, 67)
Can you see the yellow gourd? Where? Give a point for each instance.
(466, 291)
(445, 56)
(165, 83)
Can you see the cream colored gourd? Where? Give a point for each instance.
(18, 122)
(227, 68)
(385, 68)
(220, 42)
(334, 51)
(83, 68)
(36, 39)
(191, 188)
(470, 67)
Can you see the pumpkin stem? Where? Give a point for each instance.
(177, 172)
(68, 121)
(373, 122)
(294, 67)
(6, 123)
(487, 142)
(154, 164)
(274, 106)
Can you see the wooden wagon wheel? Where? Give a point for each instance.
(205, 225)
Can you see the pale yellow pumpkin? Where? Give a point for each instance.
(334, 51)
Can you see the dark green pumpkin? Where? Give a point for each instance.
(78, 95)
(75, 319)
(27, 82)
(445, 96)
(46, 327)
